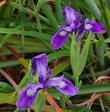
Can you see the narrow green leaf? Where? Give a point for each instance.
(100, 47)
(94, 88)
(55, 93)
(93, 7)
(39, 5)
(74, 56)
(83, 56)
(57, 54)
(9, 63)
(39, 35)
(38, 106)
(107, 40)
(27, 78)
(7, 98)
(58, 11)
(50, 16)
(5, 87)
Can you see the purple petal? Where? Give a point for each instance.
(28, 96)
(80, 31)
(95, 27)
(49, 72)
(63, 85)
(71, 16)
(39, 66)
(60, 38)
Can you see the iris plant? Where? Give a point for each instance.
(73, 24)
(40, 68)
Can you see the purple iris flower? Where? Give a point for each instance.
(39, 67)
(72, 19)
(74, 24)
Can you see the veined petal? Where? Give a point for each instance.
(63, 85)
(60, 38)
(39, 66)
(93, 26)
(71, 16)
(28, 96)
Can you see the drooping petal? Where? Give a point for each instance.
(93, 26)
(63, 85)
(28, 96)
(39, 66)
(59, 38)
(71, 16)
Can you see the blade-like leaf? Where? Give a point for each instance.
(83, 55)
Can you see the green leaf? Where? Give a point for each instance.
(8, 98)
(6, 88)
(74, 54)
(100, 48)
(27, 78)
(74, 57)
(50, 16)
(93, 7)
(39, 35)
(58, 11)
(107, 40)
(84, 54)
(94, 88)
(57, 54)
(39, 5)
(4, 39)
(55, 93)
(9, 63)
(78, 60)
(38, 105)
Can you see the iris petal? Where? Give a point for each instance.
(39, 66)
(71, 16)
(28, 96)
(59, 38)
(63, 85)
(95, 27)
(80, 31)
